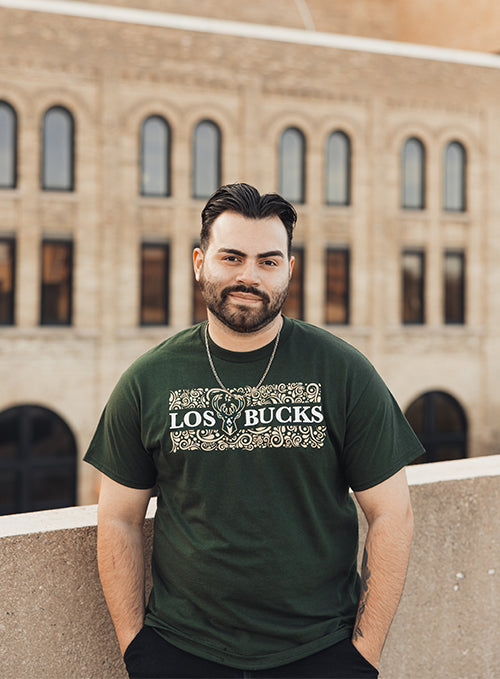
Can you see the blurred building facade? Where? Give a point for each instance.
(118, 119)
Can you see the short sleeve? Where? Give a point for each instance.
(116, 448)
(378, 439)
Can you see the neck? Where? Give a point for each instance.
(231, 340)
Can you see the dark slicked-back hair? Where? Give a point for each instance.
(248, 202)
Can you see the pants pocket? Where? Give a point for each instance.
(131, 645)
(362, 662)
(137, 652)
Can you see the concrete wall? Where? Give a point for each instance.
(54, 622)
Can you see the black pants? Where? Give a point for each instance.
(149, 656)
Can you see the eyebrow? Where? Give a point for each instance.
(262, 255)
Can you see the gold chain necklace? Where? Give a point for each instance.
(219, 381)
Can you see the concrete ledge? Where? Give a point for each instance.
(454, 470)
(54, 622)
(55, 519)
(447, 623)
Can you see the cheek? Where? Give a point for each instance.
(214, 276)
(221, 274)
(282, 282)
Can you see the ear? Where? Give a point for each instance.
(291, 265)
(197, 262)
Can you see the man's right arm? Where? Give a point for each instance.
(120, 555)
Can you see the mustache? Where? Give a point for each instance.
(244, 288)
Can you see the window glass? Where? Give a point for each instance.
(448, 451)
(58, 140)
(294, 304)
(9, 491)
(416, 416)
(454, 177)
(7, 255)
(454, 287)
(155, 150)
(57, 265)
(413, 175)
(292, 165)
(206, 159)
(413, 287)
(8, 144)
(338, 169)
(447, 417)
(50, 485)
(441, 425)
(154, 284)
(337, 286)
(37, 460)
(9, 434)
(50, 437)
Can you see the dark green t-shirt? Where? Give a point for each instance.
(255, 534)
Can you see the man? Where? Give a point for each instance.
(252, 427)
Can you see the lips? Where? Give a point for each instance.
(245, 294)
(244, 297)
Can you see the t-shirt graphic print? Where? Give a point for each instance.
(287, 415)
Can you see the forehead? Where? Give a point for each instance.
(232, 230)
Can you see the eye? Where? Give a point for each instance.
(270, 262)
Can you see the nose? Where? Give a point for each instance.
(248, 274)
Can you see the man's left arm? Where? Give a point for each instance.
(388, 511)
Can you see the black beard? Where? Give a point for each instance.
(241, 318)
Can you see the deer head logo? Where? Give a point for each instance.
(228, 407)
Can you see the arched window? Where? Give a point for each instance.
(58, 150)
(155, 157)
(8, 146)
(37, 460)
(206, 159)
(454, 183)
(413, 175)
(292, 148)
(338, 169)
(440, 423)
